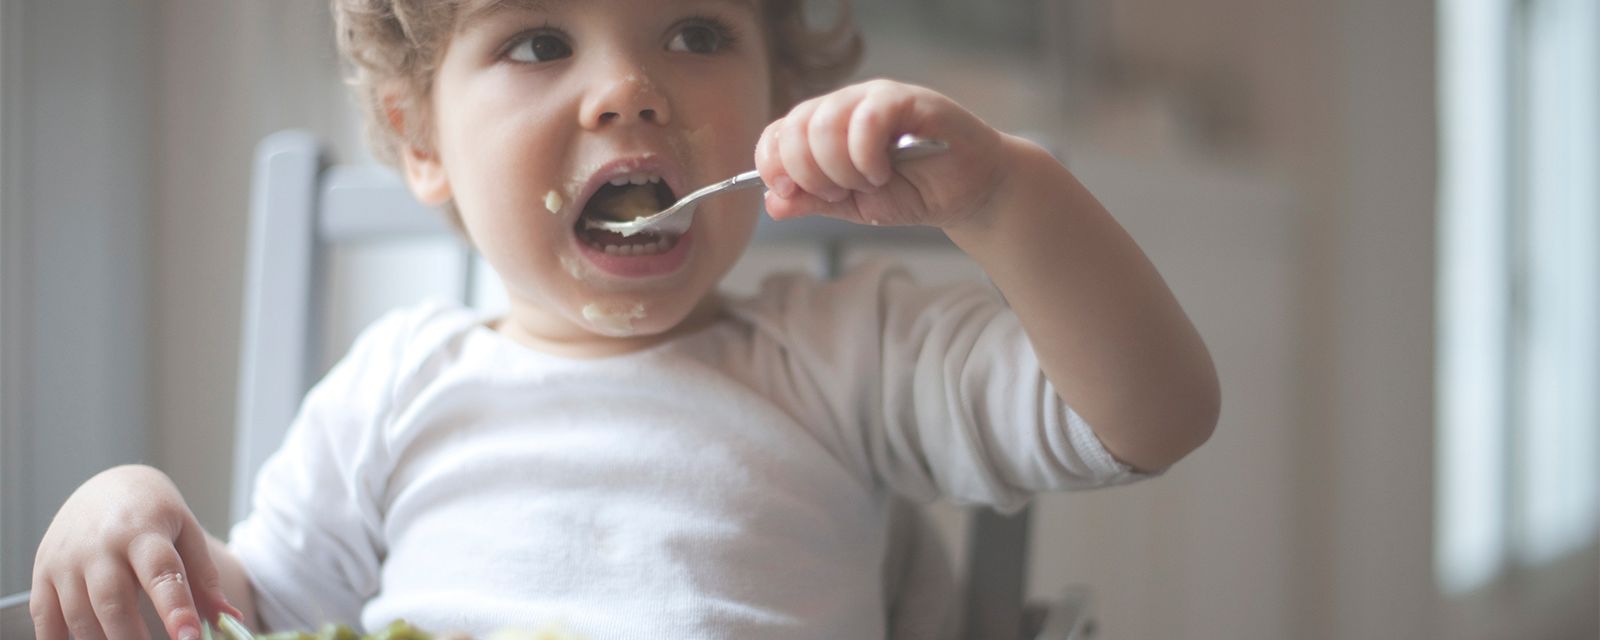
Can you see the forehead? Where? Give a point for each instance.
(473, 10)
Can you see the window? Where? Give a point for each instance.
(1518, 480)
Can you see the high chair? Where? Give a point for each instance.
(302, 207)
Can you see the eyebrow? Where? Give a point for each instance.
(475, 10)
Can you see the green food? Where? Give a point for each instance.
(229, 628)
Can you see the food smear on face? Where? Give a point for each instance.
(612, 322)
(572, 267)
(688, 144)
(552, 201)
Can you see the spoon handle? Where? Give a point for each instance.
(907, 147)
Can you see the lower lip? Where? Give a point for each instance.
(660, 264)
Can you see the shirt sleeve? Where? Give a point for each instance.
(312, 544)
(941, 392)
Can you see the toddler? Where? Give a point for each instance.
(623, 452)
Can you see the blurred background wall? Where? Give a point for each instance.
(1279, 160)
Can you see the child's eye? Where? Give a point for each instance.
(539, 47)
(702, 35)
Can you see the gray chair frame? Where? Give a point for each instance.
(301, 204)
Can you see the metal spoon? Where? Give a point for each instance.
(676, 218)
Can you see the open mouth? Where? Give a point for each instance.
(620, 200)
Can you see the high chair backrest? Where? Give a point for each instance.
(302, 206)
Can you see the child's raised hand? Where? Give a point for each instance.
(830, 156)
(125, 531)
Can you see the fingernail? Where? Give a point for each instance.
(836, 195)
(771, 203)
(878, 181)
(783, 186)
(188, 632)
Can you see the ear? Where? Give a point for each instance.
(425, 175)
(424, 171)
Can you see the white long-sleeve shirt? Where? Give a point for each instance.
(732, 483)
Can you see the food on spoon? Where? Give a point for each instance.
(621, 204)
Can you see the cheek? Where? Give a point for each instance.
(503, 183)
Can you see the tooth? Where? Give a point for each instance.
(638, 179)
(655, 179)
(619, 181)
(612, 250)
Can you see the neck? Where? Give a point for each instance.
(533, 329)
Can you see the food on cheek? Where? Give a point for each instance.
(552, 202)
(572, 267)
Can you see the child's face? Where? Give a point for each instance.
(540, 107)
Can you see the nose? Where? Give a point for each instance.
(625, 95)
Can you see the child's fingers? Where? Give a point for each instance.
(114, 595)
(805, 204)
(794, 147)
(870, 130)
(205, 579)
(769, 164)
(161, 573)
(829, 133)
(45, 609)
(77, 610)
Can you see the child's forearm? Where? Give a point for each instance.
(235, 582)
(1109, 334)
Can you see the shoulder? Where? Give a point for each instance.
(871, 297)
(785, 296)
(414, 331)
(405, 343)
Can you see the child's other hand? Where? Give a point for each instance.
(830, 156)
(125, 531)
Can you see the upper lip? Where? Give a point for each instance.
(649, 162)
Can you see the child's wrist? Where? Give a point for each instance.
(1017, 192)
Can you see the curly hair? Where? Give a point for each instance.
(393, 48)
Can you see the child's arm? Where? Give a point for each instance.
(1109, 335)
